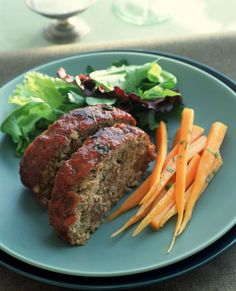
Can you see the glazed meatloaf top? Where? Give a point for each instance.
(45, 154)
(121, 152)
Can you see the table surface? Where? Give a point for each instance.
(21, 28)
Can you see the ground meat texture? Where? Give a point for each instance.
(48, 151)
(95, 178)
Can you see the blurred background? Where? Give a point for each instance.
(21, 28)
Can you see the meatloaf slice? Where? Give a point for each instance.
(47, 152)
(95, 178)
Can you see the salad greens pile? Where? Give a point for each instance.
(146, 91)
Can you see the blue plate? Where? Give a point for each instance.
(27, 236)
(131, 281)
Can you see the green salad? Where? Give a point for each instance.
(146, 91)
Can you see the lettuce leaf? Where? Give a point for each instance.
(126, 77)
(157, 92)
(21, 124)
(148, 81)
(37, 85)
(146, 91)
(41, 101)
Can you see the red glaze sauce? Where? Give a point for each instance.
(47, 145)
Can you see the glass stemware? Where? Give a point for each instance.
(142, 12)
(66, 27)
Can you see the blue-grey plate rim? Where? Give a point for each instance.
(130, 281)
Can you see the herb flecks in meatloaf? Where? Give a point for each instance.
(48, 151)
(95, 178)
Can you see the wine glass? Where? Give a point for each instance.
(66, 27)
(142, 12)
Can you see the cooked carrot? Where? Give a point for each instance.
(181, 167)
(161, 143)
(169, 172)
(157, 222)
(196, 133)
(136, 196)
(204, 171)
(196, 147)
(131, 221)
(135, 218)
(170, 168)
(161, 205)
(183, 146)
(170, 211)
(133, 200)
(176, 138)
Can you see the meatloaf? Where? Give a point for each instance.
(96, 176)
(47, 152)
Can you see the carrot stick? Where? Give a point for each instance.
(133, 200)
(170, 211)
(157, 223)
(196, 133)
(170, 168)
(131, 221)
(176, 138)
(161, 143)
(204, 172)
(136, 196)
(135, 218)
(181, 167)
(169, 197)
(167, 173)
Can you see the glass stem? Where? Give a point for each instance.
(63, 22)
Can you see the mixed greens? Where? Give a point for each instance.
(146, 91)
